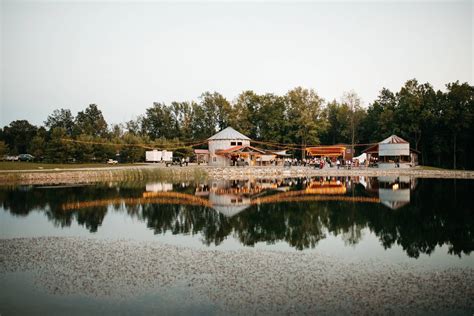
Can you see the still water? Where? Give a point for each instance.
(430, 221)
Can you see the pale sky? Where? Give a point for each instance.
(125, 56)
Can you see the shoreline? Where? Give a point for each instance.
(237, 281)
(194, 172)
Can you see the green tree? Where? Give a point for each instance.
(38, 147)
(459, 113)
(413, 110)
(58, 150)
(199, 127)
(246, 114)
(132, 153)
(379, 122)
(159, 122)
(272, 120)
(217, 109)
(3, 148)
(91, 122)
(306, 116)
(61, 118)
(18, 136)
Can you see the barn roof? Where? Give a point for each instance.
(240, 149)
(201, 151)
(394, 139)
(228, 133)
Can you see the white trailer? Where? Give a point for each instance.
(167, 155)
(158, 155)
(153, 155)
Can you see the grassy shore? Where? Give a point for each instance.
(93, 173)
(20, 165)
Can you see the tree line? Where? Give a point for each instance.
(439, 124)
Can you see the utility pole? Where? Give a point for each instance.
(353, 128)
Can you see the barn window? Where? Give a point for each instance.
(239, 144)
(232, 143)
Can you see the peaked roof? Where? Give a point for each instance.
(240, 149)
(394, 139)
(228, 133)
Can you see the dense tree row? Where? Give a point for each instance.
(439, 124)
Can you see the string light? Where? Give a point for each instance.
(286, 146)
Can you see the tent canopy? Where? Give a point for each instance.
(326, 151)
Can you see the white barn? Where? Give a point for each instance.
(223, 140)
(394, 151)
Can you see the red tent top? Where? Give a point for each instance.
(328, 151)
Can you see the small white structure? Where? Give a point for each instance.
(361, 158)
(225, 139)
(202, 155)
(394, 151)
(158, 155)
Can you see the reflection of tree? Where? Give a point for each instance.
(440, 213)
(22, 201)
(298, 224)
(91, 217)
(183, 219)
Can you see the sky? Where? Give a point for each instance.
(124, 56)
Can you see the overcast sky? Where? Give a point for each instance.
(125, 56)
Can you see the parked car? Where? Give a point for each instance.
(176, 161)
(112, 162)
(26, 157)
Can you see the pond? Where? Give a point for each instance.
(429, 221)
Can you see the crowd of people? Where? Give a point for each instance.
(324, 162)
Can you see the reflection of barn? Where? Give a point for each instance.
(232, 197)
(393, 152)
(394, 192)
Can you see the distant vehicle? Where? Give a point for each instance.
(158, 156)
(26, 157)
(112, 162)
(153, 155)
(176, 161)
(10, 158)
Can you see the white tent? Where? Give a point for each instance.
(362, 158)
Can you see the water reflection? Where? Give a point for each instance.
(416, 214)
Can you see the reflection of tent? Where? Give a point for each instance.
(394, 198)
(394, 192)
(326, 187)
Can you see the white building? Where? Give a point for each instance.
(224, 140)
(393, 152)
